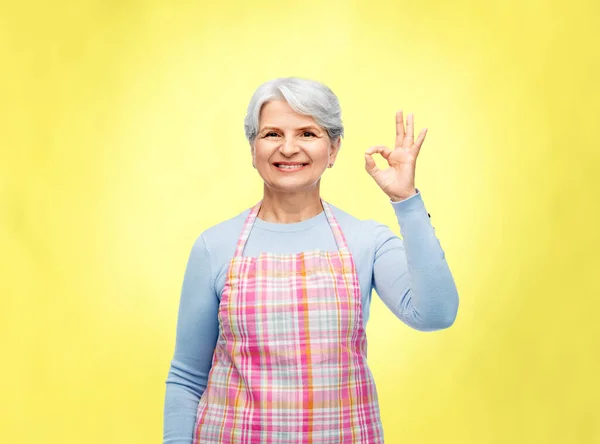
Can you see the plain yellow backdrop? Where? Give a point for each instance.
(121, 135)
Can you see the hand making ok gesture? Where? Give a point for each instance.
(397, 181)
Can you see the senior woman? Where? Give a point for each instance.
(271, 344)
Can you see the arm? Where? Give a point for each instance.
(197, 331)
(411, 276)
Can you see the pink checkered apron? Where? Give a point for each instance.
(290, 363)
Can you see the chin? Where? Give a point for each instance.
(292, 187)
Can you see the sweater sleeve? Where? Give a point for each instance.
(411, 275)
(196, 337)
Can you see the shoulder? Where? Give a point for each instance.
(224, 235)
(357, 230)
(363, 232)
(349, 220)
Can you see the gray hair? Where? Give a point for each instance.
(304, 96)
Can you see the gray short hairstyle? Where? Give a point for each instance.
(304, 96)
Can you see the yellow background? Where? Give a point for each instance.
(121, 134)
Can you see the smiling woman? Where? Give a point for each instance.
(290, 153)
(293, 122)
(271, 343)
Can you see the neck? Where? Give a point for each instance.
(287, 208)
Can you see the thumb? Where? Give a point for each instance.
(370, 165)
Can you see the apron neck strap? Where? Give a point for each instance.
(340, 239)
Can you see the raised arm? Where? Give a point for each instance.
(196, 337)
(411, 275)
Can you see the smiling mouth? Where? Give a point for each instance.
(289, 167)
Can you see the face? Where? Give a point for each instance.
(291, 151)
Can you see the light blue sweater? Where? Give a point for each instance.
(410, 275)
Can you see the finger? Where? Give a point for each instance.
(409, 136)
(399, 128)
(381, 149)
(420, 139)
(370, 165)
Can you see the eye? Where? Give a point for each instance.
(310, 134)
(272, 133)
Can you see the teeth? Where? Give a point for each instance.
(290, 167)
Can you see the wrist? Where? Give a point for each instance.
(404, 196)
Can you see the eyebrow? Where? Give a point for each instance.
(312, 127)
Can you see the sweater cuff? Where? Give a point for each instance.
(410, 207)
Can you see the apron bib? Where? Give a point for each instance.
(290, 363)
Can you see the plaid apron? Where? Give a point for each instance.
(290, 363)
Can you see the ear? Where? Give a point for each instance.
(335, 148)
(252, 154)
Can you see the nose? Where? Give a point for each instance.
(289, 147)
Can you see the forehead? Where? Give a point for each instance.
(280, 113)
